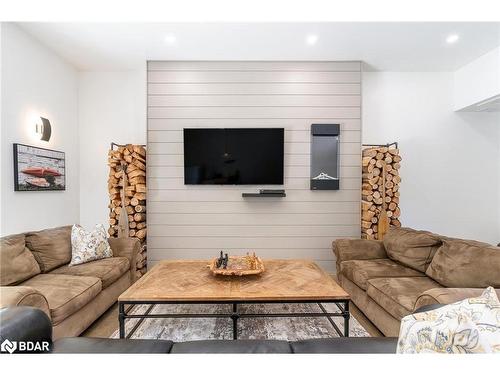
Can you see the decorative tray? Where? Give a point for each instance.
(238, 266)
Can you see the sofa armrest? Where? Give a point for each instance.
(13, 296)
(446, 296)
(128, 248)
(26, 324)
(357, 249)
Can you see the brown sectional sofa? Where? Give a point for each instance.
(35, 272)
(391, 278)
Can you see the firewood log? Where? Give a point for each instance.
(365, 161)
(141, 225)
(140, 208)
(140, 196)
(139, 164)
(140, 188)
(141, 233)
(140, 150)
(137, 180)
(139, 216)
(136, 173)
(366, 224)
(367, 215)
(371, 152)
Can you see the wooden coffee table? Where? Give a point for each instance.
(191, 282)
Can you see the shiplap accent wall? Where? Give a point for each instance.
(195, 222)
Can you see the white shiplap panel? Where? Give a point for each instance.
(254, 243)
(290, 172)
(297, 160)
(190, 221)
(352, 148)
(254, 112)
(308, 66)
(175, 183)
(253, 207)
(288, 124)
(237, 77)
(216, 195)
(254, 219)
(254, 101)
(320, 254)
(163, 230)
(254, 89)
(293, 136)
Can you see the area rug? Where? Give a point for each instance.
(291, 329)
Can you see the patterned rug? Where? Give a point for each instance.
(291, 329)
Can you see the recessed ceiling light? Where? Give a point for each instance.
(170, 39)
(311, 39)
(453, 38)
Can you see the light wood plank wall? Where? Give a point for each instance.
(197, 221)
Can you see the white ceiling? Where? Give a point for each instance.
(382, 46)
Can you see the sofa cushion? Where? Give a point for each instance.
(413, 248)
(360, 271)
(65, 294)
(466, 264)
(231, 346)
(397, 295)
(51, 247)
(87, 246)
(445, 296)
(108, 270)
(17, 263)
(94, 345)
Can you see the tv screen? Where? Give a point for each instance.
(233, 156)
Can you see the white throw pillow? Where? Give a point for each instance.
(468, 326)
(88, 246)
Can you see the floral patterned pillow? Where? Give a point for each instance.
(88, 246)
(468, 326)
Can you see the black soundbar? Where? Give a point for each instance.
(266, 193)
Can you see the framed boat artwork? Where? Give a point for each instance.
(38, 169)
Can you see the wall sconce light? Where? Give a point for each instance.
(43, 129)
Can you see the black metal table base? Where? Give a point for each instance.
(234, 315)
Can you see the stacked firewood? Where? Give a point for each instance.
(380, 165)
(127, 189)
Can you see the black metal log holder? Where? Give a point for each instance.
(113, 145)
(395, 144)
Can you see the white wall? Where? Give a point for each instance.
(477, 81)
(35, 82)
(451, 161)
(112, 108)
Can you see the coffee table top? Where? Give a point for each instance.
(191, 280)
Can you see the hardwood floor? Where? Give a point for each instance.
(108, 323)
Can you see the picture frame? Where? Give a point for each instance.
(38, 169)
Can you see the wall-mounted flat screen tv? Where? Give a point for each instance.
(233, 156)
